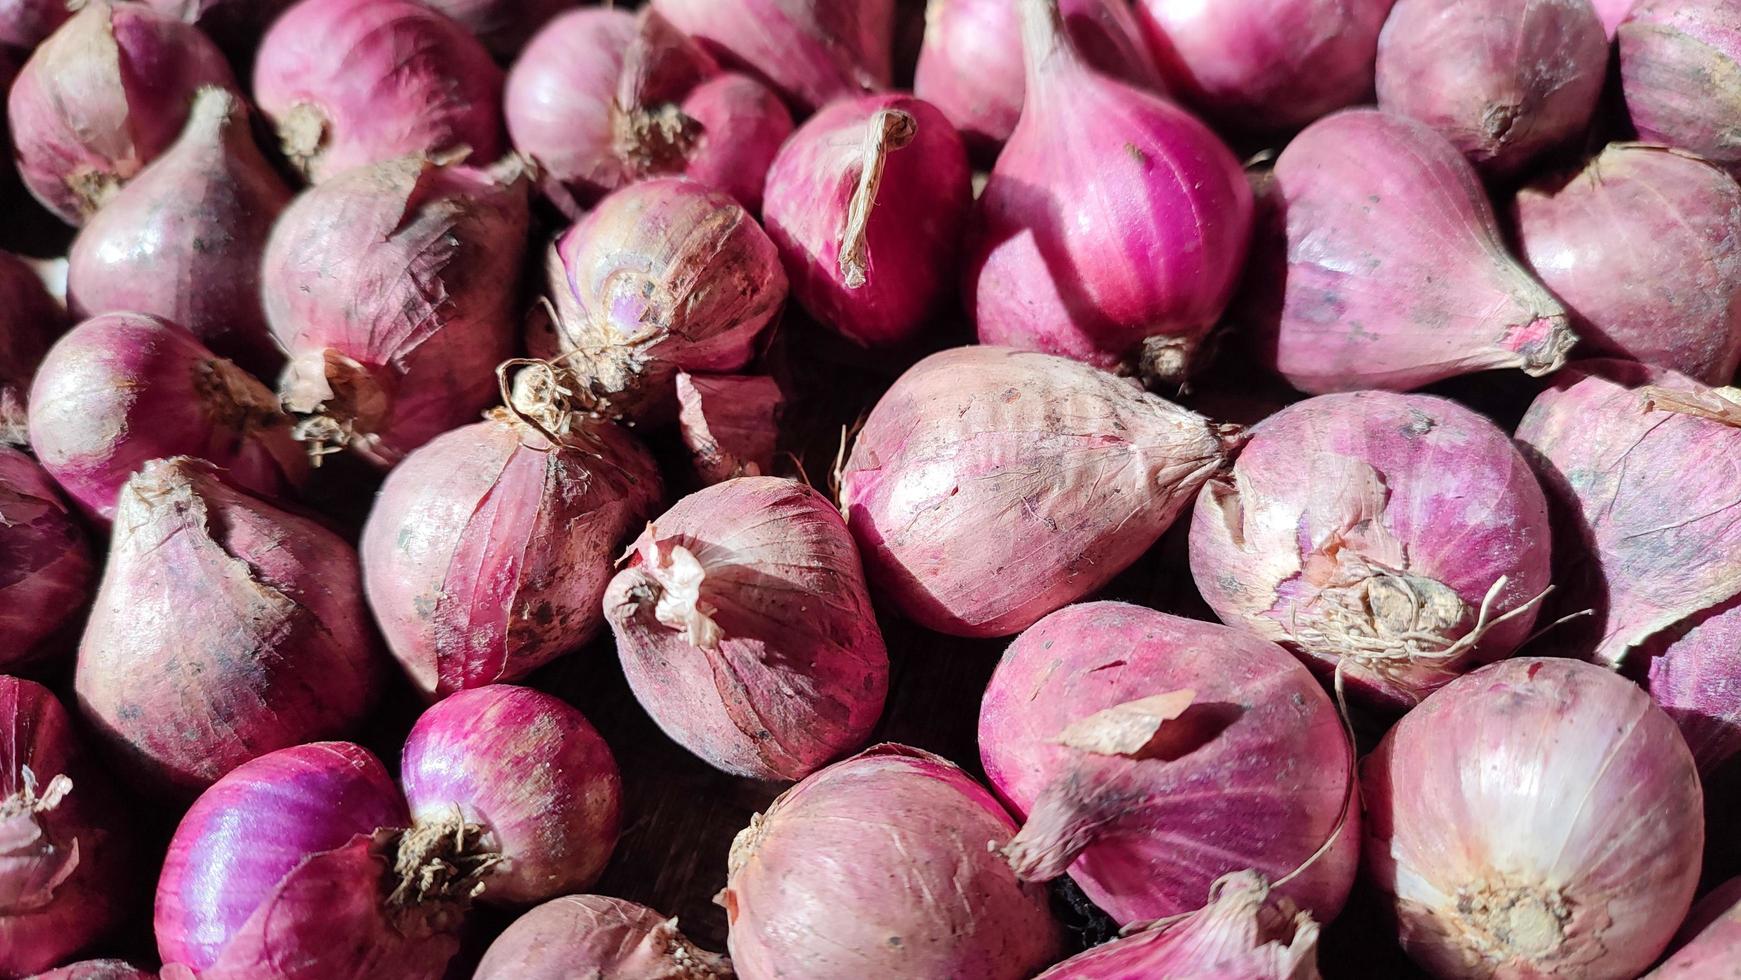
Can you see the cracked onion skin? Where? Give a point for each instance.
(30, 320)
(610, 937)
(1680, 71)
(48, 573)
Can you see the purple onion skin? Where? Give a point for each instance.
(1694, 672)
(1680, 70)
(30, 320)
(25, 23)
(183, 240)
(592, 935)
(743, 124)
(1709, 944)
(97, 970)
(730, 424)
(558, 99)
(1506, 81)
(46, 572)
(503, 25)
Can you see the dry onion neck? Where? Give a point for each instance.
(439, 867)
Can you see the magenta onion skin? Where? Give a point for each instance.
(761, 675)
(593, 935)
(183, 239)
(729, 423)
(1613, 13)
(1114, 225)
(101, 98)
(1680, 70)
(1260, 65)
(1418, 509)
(558, 100)
(97, 970)
(867, 202)
(280, 652)
(393, 289)
(1712, 938)
(488, 549)
(880, 866)
(1414, 288)
(1536, 818)
(531, 771)
(26, 23)
(743, 125)
(1256, 775)
(30, 320)
(124, 388)
(349, 83)
(503, 25)
(1676, 305)
(65, 868)
(1506, 82)
(48, 573)
(991, 486)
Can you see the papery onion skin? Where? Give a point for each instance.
(880, 866)
(763, 675)
(349, 83)
(48, 573)
(101, 98)
(1349, 292)
(97, 970)
(1114, 225)
(281, 650)
(1353, 527)
(1680, 70)
(30, 320)
(610, 937)
(124, 388)
(1506, 82)
(991, 486)
(1535, 818)
(25, 23)
(183, 239)
(487, 550)
(729, 423)
(1677, 304)
(503, 25)
(1254, 774)
(1710, 940)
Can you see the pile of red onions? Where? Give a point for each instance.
(991, 486)
(1535, 818)
(30, 319)
(25, 23)
(593, 935)
(879, 866)
(1114, 225)
(1710, 939)
(812, 51)
(503, 25)
(48, 572)
(729, 423)
(1680, 69)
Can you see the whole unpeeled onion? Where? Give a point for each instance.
(558, 100)
(503, 25)
(1506, 81)
(595, 935)
(97, 970)
(880, 866)
(393, 289)
(1710, 940)
(47, 575)
(746, 631)
(224, 628)
(25, 23)
(101, 98)
(1382, 265)
(991, 486)
(812, 51)
(1680, 70)
(350, 83)
(1114, 225)
(183, 240)
(729, 423)
(30, 320)
(124, 388)
(1536, 818)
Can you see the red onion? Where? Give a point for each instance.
(880, 866)
(531, 772)
(1385, 267)
(1264, 65)
(25, 23)
(743, 124)
(1713, 945)
(350, 83)
(761, 674)
(503, 25)
(124, 388)
(729, 423)
(867, 202)
(812, 51)
(558, 102)
(30, 319)
(488, 549)
(1613, 12)
(591, 935)
(1154, 754)
(1132, 272)
(990, 486)
(394, 288)
(1505, 81)
(183, 240)
(101, 98)
(98, 970)
(224, 628)
(64, 868)
(236, 25)
(46, 577)
(1393, 540)
(1694, 672)
(1676, 304)
(1680, 69)
(1537, 818)
(663, 276)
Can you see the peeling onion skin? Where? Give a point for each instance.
(280, 652)
(97, 970)
(1051, 475)
(880, 866)
(762, 675)
(729, 423)
(1537, 818)
(1506, 81)
(30, 320)
(503, 25)
(101, 98)
(1677, 304)
(48, 575)
(1680, 71)
(1351, 526)
(183, 240)
(350, 83)
(65, 870)
(124, 388)
(26, 23)
(1710, 940)
(1347, 293)
(593, 935)
(488, 549)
